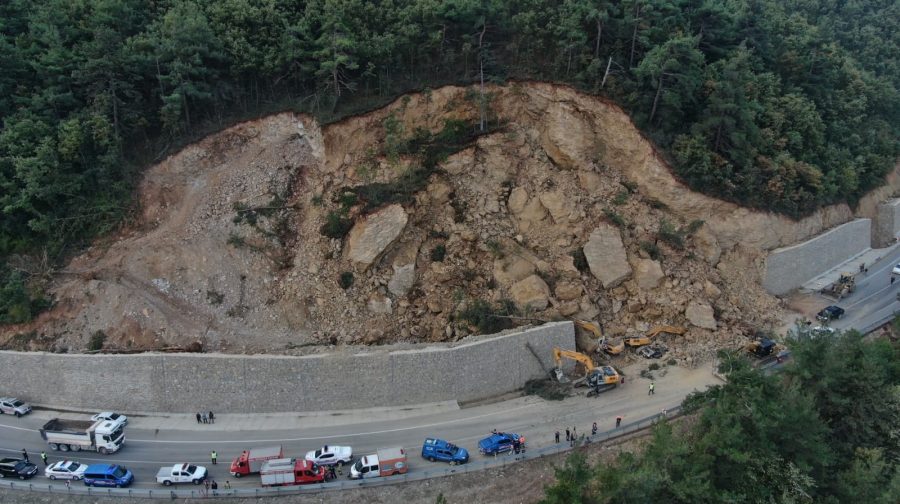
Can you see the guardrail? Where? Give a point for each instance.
(78, 488)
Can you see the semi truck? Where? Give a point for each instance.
(251, 461)
(288, 471)
(101, 436)
(384, 462)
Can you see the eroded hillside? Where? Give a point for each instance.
(230, 251)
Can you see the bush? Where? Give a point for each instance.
(97, 341)
(18, 302)
(336, 226)
(620, 198)
(653, 366)
(651, 249)
(487, 318)
(346, 280)
(670, 235)
(614, 217)
(214, 297)
(438, 253)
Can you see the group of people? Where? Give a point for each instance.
(206, 417)
(211, 484)
(572, 434)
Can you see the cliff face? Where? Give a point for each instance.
(228, 250)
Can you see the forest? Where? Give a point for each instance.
(824, 431)
(782, 105)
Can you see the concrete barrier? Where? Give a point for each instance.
(472, 369)
(789, 267)
(887, 223)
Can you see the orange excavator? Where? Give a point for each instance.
(639, 341)
(603, 343)
(599, 378)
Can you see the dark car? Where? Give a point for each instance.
(17, 468)
(830, 313)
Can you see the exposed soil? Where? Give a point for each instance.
(228, 251)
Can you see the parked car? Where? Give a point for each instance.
(438, 449)
(116, 418)
(108, 475)
(17, 468)
(830, 313)
(500, 442)
(896, 270)
(818, 331)
(330, 455)
(13, 406)
(65, 469)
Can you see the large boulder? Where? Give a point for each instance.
(558, 204)
(371, 236)
(606, 256)
(567, 291)
(701, 315)
(648, 273)
(404, 266)
(707, 244)
(531, 292)
(511, 269)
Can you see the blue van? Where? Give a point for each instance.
(108, 475)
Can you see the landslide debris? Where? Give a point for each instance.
(412, 223)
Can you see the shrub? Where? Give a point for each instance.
(438, 253)
(495, 247)
(614, 217)
(653, 366)
(236, 240)
(346, 280)
(214, 297)
(651, 249)
(670, 235)
(620, 198)
(97, 340)
(336, 226)
(487, 318)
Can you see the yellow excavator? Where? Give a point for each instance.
(599, 378)
(639, 341)
(603, 343)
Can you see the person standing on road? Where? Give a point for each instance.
(650, 391)
(574, 432)
(205, 418)
(198, 417)
(557, 437)
(25, 455)
(213, 456)
(892, 279)
(618, 421)
(568, 435)
(594, 429)
(227, 485)
(44, 458)
(212, 419)
(214, 486)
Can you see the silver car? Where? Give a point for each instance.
(65, 469)
(13, 406)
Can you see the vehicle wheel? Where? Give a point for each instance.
(54, 446)
(238, 475)
(76, 448)
(453, 462)
(18, 415)
(53, 476)
(196, 482)
(431, 459)
(340, 463)
(21, 477)
(118, 485)
(64, 447)
(167, 483)
(103, 451)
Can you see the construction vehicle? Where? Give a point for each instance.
(597, 341)
(598, 378)
(844, 286)
(639, 341)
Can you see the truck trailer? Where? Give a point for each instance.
(288, 471)
(101, 436)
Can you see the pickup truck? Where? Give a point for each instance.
(181, 473)
(438, 449)
(500, 442)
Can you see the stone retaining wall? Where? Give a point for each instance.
(789, 267)
(475, 368)
(887, 223)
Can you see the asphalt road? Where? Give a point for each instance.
(875, 299)
(147, 449)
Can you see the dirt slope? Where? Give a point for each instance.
(228, 250)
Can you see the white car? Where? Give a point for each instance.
(13, 406)
(116, 418)
(331, 455)
(896, 270)
(65, 469)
